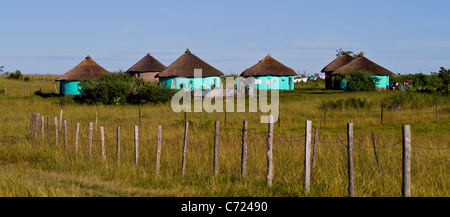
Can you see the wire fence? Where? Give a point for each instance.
(375, 154)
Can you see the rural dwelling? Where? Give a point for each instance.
(147, 68)
(180, 74)
(363, 64)
(87, 69)
(340, 61)
(269, 74)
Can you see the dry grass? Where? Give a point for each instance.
(35, 167)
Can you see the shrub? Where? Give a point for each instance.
(121, 88)
(16, 75)
(360, 81)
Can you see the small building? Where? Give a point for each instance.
(363, 64)
(87, 69)
(147, 68)
(180, 74)
(269, 74)
(330, 82)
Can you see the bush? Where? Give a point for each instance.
(16, 75)
(121, 88)
(360, 81)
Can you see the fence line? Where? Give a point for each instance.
(254, 140)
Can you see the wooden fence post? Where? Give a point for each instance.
(375, 151)
(60, 119)
(216, 148)
(36, 131)
(183, 161)
(91, 128)
(136, 145)
(56, 131)
(102, 139)
(306, 184)
(351, 178)
(158, 149)
(316, 140)
(118, 145)
(270, 152)
(96, 121)
(244, 150)
(76, 137)
(66, 145)
(42, 126)
(406, 163)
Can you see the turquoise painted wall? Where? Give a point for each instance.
(383, 82)
(69, 87)
(193, 83)
(271, 82)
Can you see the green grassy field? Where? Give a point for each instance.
(32, 166)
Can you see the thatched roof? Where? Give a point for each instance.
(363, 64)
(87, 69)
(268, 66)
(337, 63)
(184, 67)
(147, 64)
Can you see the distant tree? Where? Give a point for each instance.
(341, 52)
(444, 75)
(1, 68)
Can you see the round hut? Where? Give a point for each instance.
(340, 61)
(269, 74)
(363, 64)
(87, 69)
(147, 68)
(180, 74)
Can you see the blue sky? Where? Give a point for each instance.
(51, 37)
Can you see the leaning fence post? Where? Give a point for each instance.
(183, 161)
(56, 131)
(158, 149)
(270, 152)
(136, 145)
(91, 128)
(118, 145)
(406, 163)
(351, 178)
(375, 151)
(216, 148)
(307, 176)
(244, 150)
(76, 137)
(102, 139)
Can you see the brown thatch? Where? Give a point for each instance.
(363, 64)
(268, 66)
(184, 67)
(87, 69)
(147, 64)
(337, 63)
